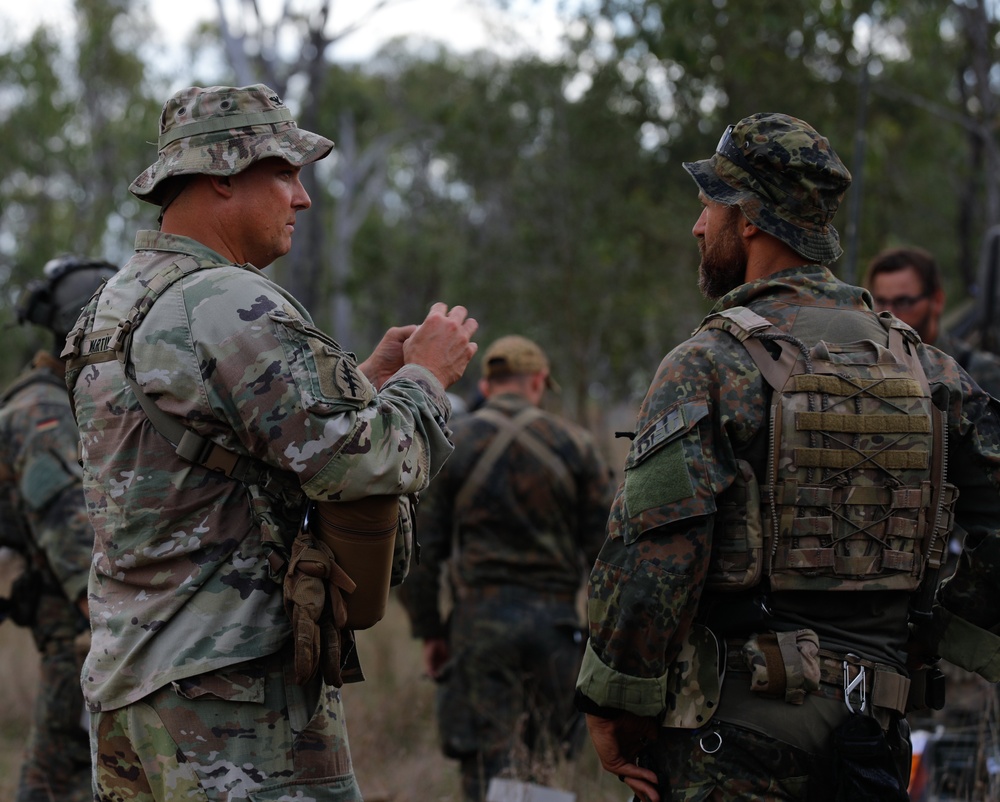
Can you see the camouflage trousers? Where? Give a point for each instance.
(56, 765)
(242, 732)
(505, 705)
(724, 762)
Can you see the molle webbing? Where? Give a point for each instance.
(854, 495)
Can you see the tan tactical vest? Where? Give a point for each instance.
(854, 494)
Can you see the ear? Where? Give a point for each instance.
(222, 185)
(748, 229)
(484, 388)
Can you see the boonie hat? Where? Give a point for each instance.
(513, 355)
(222, 130)
(784, 176)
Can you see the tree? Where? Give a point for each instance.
(67, 145)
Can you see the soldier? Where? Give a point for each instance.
(43, 517)
(519, 509)
(213, 414)
(784, 514)
(907, 282)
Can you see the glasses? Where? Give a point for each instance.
(728, 148)
(901, 303)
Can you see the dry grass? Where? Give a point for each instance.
(17, 691)
(391, 719)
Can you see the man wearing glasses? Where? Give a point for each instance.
(907, 282)
(786, 508)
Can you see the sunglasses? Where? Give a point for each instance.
(727, 147)
(901, 303)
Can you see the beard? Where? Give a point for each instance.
(723, 265)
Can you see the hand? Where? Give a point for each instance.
(387, 357)
(436, 654)
(443, 343)
(617, 742)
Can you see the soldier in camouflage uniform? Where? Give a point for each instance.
(713, 670)
(520, 510)
(907, 282)
(193, 680)
(43, 516)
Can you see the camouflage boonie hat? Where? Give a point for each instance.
(222, 130)
(515, 354)
(784, 176)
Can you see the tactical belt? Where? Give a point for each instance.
(868, 682)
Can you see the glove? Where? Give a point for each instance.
(313, 589)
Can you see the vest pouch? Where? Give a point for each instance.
(362, 536)
(783, 665)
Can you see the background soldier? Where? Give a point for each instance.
(907, 282)
(213, 414)
(520, 510)
(750, 610)
(43, 516)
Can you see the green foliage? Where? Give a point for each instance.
(68, 113)
(545, 195)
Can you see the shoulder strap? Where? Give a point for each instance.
(105, 345)
(751, 329)
(33, 377)
(508, 430)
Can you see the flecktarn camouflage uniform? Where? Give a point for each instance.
(522, 542)
(41, 494)
(649, 584)
(183, 603)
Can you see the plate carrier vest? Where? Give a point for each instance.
(855, 495)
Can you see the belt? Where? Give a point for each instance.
(848, 678)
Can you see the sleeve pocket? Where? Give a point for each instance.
(327, 376)
(662, 468)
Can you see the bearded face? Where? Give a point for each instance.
(723, 254)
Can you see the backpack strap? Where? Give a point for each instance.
(105, 345)
(508, 430)
(751, 330)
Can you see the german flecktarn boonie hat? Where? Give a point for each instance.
(222, 130)
(785, 177)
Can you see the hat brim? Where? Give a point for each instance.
(232, 152)
(818, 245)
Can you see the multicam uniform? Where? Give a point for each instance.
(184, 604)
(648, 586)
(40, 481)
(523, 535)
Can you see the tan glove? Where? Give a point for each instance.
(315, 605)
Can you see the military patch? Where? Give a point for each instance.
(47, 425)
(347, 380)
(657, 470)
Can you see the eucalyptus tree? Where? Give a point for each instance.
(70, 107)
(905, 90)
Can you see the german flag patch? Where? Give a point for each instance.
(46, 425)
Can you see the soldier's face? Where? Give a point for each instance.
(723, 253)
(902, 293)
(270, 195)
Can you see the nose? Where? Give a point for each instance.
(301, 199)
(699, 224)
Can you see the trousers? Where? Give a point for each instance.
(244, 732)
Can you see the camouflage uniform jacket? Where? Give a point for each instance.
(647, 586)
(522, 526)
(180, 582)
(983, 366)
(41, 494)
